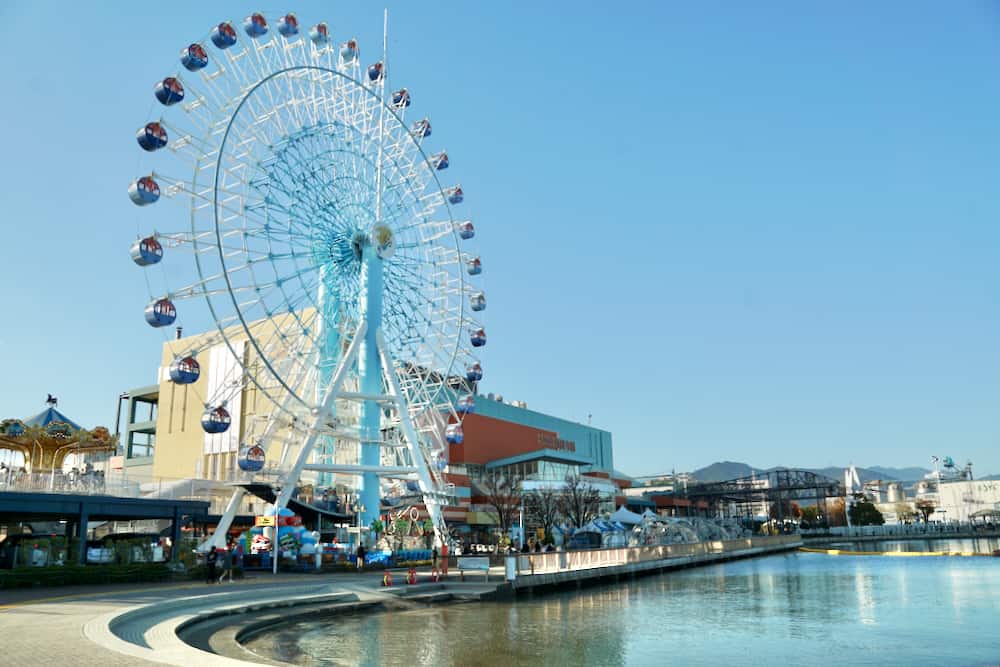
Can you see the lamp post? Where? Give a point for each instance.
(274, 542)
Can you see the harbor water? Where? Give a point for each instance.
(793, 608)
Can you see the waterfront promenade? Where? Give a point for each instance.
(192, 623)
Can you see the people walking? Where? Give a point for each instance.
(227, 565)
(361, 557)
(211, 558)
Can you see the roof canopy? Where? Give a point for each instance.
(49, 416)
(624, 516)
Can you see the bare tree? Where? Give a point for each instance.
(925, 507)
(580, 500)
(544, 505)
(502, 493)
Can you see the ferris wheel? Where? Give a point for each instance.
(323, 240)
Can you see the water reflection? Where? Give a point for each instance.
(795, 608)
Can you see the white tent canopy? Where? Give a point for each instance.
(649, 514)
(623, 515)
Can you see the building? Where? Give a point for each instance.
(165, 445)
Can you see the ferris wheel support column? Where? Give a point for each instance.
(329, 352)
(427, 486)
(370, 371)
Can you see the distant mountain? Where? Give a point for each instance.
(903, 474)
(723, 470)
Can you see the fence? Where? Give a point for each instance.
(901, 530)
(559, 561)
(216, 493)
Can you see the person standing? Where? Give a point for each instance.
(211, 558)
(361, 557)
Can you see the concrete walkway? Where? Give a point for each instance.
(137, 625)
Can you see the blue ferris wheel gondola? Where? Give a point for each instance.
(194, 57)
(146, 251)
(422, 128)
(455, 195)
(466, 230)
(185, 370)
(251, 459)
(223, 35)
(216, 420)
(474, 266)
(151, 137)
(401, 98)
(478, 301)
(288, 25)
(474, 372)
(169, 91)
(255, 25)
(375, 71)
(319, 34)
(453, 434)
(478, 337)
(440, 161)
(466, 405)
(144, 191)
(349, 51)
(160, 313)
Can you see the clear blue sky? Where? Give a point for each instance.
(766, 232)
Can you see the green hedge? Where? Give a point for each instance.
(72, 575)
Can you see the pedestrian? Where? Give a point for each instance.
(210, 559)
(227, 565)
(434, 557)
(361, 557)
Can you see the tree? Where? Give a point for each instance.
(580, 500)
(502, 493)
(544, 506)
(835, 513)
(787, 509)
(926, 507)
(904, 513)
(810, 516)
(864, 513)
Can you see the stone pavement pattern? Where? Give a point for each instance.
(51, 626)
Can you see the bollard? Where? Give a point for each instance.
(435, 575)
(387, 579)
(411, 576)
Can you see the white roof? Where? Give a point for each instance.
(623, 515)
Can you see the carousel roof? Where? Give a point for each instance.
(50, 415)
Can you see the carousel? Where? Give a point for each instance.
(46, 440)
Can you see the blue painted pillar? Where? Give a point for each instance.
(370, 370)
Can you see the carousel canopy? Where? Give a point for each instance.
(50, 415)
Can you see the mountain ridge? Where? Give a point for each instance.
(723, 470)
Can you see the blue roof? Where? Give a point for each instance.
(49, 415)
(559, 455)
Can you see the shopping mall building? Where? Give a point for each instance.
(164, 447)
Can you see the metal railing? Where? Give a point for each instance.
(560, 561)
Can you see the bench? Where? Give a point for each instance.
(473, 563)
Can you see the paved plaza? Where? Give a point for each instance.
(137, 624)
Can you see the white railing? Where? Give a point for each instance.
(897, 530)
(560, 561)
